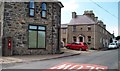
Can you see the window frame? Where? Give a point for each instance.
(74, 28)
(89, 38)
(29, 40)
(31, 8)
(37, 30)
(89, 28)
(44, 10)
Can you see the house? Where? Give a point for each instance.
(31, 28)
(64, 33)
(87, 28)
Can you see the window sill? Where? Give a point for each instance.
(37, 48)
(44, 17)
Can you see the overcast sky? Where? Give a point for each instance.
(106, 10)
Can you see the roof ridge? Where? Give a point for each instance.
(81, 19)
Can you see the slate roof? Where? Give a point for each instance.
(81, 19)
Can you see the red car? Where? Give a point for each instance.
(77, 45)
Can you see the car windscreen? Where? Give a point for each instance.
(112, 44)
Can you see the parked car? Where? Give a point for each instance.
(118, 44)
(77, 45)
(112, 45)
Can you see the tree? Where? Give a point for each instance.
(118, 38)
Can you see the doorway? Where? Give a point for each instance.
(80, 38)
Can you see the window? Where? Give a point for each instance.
(37, 36)
(74, 28)
(31, 8)
(44, 12)
(64, 31)
(74, 38)
(81, 29)
(89, 38)
(89, 28)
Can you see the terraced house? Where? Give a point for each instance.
(87, 28)
(31, 27)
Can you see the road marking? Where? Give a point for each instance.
(90, 67)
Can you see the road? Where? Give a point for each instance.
(107, 58)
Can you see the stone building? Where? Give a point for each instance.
(87, 28)
(1, 17)
(1, 21)
(64, 33)
(31, 28)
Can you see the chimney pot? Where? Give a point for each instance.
(96, 19)
(74, 15)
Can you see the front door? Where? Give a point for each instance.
(80, 39)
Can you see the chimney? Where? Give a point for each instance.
(104, 26)
(74, 15)
(101, 24)
(89, 14)
(96, 19)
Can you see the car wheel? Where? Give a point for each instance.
(68, 47)
(80, 49)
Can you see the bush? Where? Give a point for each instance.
(92, 48)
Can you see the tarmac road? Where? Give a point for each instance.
(107, 58)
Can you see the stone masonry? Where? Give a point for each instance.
(15, 25)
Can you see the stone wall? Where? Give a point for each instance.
(17, 19)
(1, 18)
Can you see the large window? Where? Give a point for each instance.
(44, 12)
(31, 8)
(37, 36)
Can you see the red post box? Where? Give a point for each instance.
(9, 43)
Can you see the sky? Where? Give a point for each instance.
(105, 10)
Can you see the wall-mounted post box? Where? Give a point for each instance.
(9, 42)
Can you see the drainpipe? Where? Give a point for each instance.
(52, 27)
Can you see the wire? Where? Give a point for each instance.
(103, 9)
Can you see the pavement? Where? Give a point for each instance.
(32, 58)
